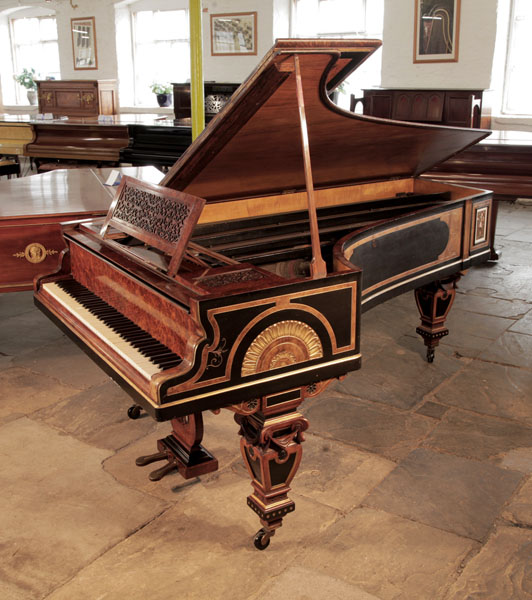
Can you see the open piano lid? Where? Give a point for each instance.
(253, 147)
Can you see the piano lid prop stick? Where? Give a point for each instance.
(318, 267)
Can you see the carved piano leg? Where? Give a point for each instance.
(434, 302)
(271, 447)
(182, 450)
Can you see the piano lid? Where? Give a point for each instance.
(253, 147)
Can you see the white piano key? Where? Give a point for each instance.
(121, 346)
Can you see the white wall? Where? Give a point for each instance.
(234, 69)
(473, 70)
(104, 18)
(478, 25)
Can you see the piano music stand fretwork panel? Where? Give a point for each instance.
(159, 217)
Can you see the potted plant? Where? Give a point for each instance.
(27, 80)
(163, 91)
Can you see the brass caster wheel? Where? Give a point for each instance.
(262, 539)
(133, 412)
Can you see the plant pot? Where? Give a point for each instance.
(164, 99)
(32, 97)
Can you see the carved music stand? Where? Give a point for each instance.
(158, 216)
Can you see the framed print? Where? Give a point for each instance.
(84, 43)
(436, 31)
(234, 33)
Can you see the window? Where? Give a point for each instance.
(343, 19)
(34, 43)
(338, 18)
(161, 50)
(517, 82)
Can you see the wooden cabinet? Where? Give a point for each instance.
(78, 98)
(216, 97)
(457, 108)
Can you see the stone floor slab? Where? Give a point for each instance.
(496, 307)
(12, 304)
(519, 459)
(523, 325)
(471, 333)
(50, 360)
(27, 331)
(407, 377)
(521, 235)
(510, 349)
(337, 474)
(432, 409)
(477, 436)
(502, 570)
(24, 392)
(505, 280)
(97, 416)
(202, 548)
(519, 510)
(297, 583)
(490, 389)
(393, 434)
(387, 556)
(58, 510)
(446, 492)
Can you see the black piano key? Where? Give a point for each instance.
(159, 354)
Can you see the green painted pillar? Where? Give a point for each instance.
(197, 104)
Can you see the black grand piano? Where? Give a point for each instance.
(240, 281)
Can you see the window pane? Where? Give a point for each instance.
(344, 18)
(48, 29)
(338, 16)
(35, 46)
(162, 50)
(518, 85)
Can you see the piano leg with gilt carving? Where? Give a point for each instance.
(434, 302)
(182, 450)
(272, 433)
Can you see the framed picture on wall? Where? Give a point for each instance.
(436, 31)
(84, 43)
(234, 33)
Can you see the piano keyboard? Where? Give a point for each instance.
(133, 344)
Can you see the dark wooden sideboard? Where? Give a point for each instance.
(216, 97)
(78, 97)
(457, 108)
(502, 163)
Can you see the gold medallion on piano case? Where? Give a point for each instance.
(281, 344)
(34, 253)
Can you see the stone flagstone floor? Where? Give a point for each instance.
(415, 482)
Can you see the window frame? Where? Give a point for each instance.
(15, 58)
(134, 10)
(504, 108)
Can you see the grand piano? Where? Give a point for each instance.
(239, 282)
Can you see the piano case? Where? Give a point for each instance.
(311, 215)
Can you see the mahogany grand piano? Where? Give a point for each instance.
(240, 281)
